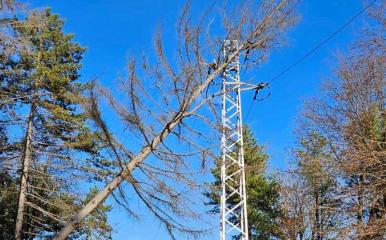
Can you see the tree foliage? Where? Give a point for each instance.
(340, 172)
(309, 200)
(48, 151)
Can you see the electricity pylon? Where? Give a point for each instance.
(234, 220)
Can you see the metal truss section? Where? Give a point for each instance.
(234, 220)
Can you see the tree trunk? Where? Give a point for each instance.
(317, 216)
(103, 194)
(26, 159)
(301, 236)
(360, 207)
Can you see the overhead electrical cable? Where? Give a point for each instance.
(313, 50)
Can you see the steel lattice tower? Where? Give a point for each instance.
(233, 217)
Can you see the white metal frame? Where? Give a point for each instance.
(232, 166)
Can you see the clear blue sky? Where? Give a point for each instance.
(113, 30)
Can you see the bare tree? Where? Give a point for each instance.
(295, 206)
(171, 108)
(9, 5)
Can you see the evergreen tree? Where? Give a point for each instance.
(40, 80)
(262, 191)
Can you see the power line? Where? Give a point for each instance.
(313, 50)
(320, 44)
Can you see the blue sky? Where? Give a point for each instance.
(114, 30)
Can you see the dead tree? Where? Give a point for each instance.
(171, 115)
(295, 206)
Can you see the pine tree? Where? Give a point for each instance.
(262, 191)
(40, 80)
